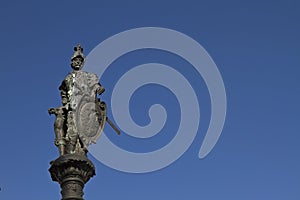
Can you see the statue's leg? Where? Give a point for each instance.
(72, 142)
(60, 141)
(71, 133)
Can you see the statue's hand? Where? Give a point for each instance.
(67, 106)
(100, 90)
(51, 111)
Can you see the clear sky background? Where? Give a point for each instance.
(256, 47)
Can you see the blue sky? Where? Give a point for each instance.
(255, 45)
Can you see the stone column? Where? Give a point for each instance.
(72, 171)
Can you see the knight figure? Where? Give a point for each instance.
(82, 116)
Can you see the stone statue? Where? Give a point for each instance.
(79, 122)
(82, 116)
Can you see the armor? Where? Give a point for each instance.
(81, 119)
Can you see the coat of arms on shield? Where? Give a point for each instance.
(90, 118)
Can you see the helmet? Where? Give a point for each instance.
(78, 52)
(77, 59)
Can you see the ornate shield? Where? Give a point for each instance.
(90, 113)
(90, 119)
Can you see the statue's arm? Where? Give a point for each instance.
(63, 92)
(57, 111)
(96, 86)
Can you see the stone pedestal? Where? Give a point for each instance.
(72, 171)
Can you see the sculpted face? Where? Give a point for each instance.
(77, 63)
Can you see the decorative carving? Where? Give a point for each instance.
(72, 171)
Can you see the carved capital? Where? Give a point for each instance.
(72, 171)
